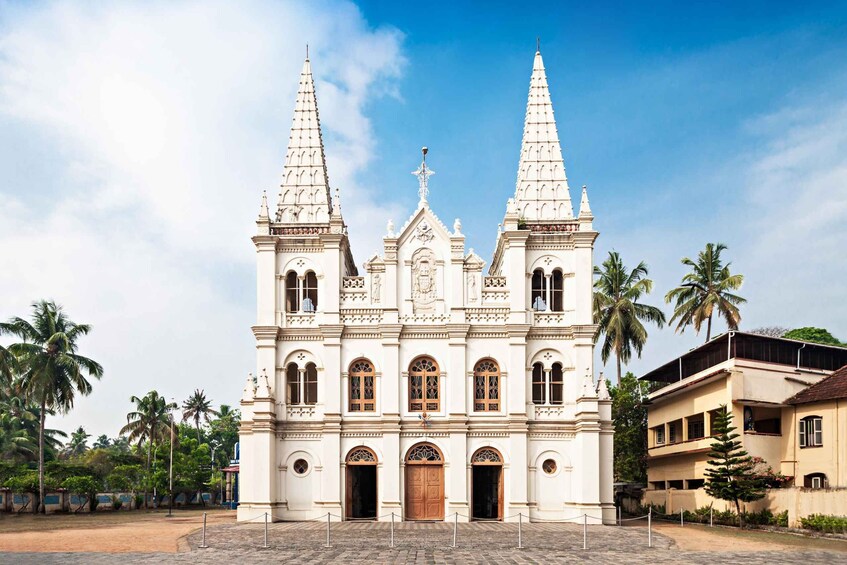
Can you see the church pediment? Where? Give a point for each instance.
(424, 228)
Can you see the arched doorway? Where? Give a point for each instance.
(361, 484)
(424, 483)
(487, 485)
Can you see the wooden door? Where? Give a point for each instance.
(424, 492)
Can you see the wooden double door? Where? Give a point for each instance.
(424, 491)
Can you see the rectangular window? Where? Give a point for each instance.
(696, 429)
(660, 435)
(816, 482)
(539, 386)
(810, 431)
(416, 393)
(672, 435)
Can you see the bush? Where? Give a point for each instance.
(116, 502)
(824, 523)
(86, 487)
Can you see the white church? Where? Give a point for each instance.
(425, 384)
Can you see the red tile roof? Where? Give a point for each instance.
(829, 388)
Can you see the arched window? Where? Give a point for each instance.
(362, 386)
(539, 291)
(811, 431)
(539, 386)
(292, 379)
(557, 291)
(486, 386)
(423, 386)
(556, 384)
(310, 292)
(815, 480)
(310, 394)
(292, 302)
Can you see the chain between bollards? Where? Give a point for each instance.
(392, 530)
(650, 527)
(328, 541)
(520, 523)
(266, 531)
(455, 527)
(585, 531)
(203, 543)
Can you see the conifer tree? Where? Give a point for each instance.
(731, 474)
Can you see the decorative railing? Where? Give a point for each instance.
(551, 412)
(353, 283)
(554, 228)
(493, 282)
(299, 230)
(361, 316)
(486, 315)
(299, 319)
(300, 412)
(551, 319)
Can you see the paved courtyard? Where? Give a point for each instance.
(368, 542)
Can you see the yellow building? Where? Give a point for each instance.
(753, 375)
(815, 442)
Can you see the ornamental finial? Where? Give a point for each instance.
(423, 173)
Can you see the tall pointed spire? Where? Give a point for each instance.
(305, 196)
(541, 192)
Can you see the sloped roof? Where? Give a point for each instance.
(829, 388)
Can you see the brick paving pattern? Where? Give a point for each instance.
(368, 542)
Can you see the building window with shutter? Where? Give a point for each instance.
(362, 386)
(811, 431)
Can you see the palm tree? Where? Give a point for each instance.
(197, 407)
(617, 311)
(150, 422)
(8, 363)
(102, 442)
(78, 443)
(705, 288)
(15, 443)
(51, 370)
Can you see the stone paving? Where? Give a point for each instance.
(431, 543)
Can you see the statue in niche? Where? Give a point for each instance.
(472, 287)
(423, 281)
(376, 287)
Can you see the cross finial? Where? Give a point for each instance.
(423, 173)
(307, 51)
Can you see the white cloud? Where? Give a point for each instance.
(164, 121)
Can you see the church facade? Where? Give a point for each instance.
(426, 384)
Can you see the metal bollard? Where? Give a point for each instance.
(520, 523)
(455, 527)
(650, 527)
(203, 543)
(711, 523)
(392, 530)
(620, 516)
(681, 522)
(585, 531)
(328, 541)
(266, 531)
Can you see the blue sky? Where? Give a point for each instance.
(135, 140)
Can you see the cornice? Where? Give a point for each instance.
(266, 332)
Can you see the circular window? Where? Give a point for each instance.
(301, 466)
(549, 466)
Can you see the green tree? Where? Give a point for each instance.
(52, 372)
(150, 423)
(102, 442)
(618, 312)
(15, 442)
(198, 407)
(629, 415)
(224, 430)
(78, 443)
(706, 288)
(813, 335)
(125, 478)
(85, 487)
(731, 473)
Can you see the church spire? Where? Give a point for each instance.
(305, 196)
(541, 192)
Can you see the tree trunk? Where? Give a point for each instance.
(197, 424)
(42, 416)
(709, 329)
(147, 479)
(740, 516)
(618, 357)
